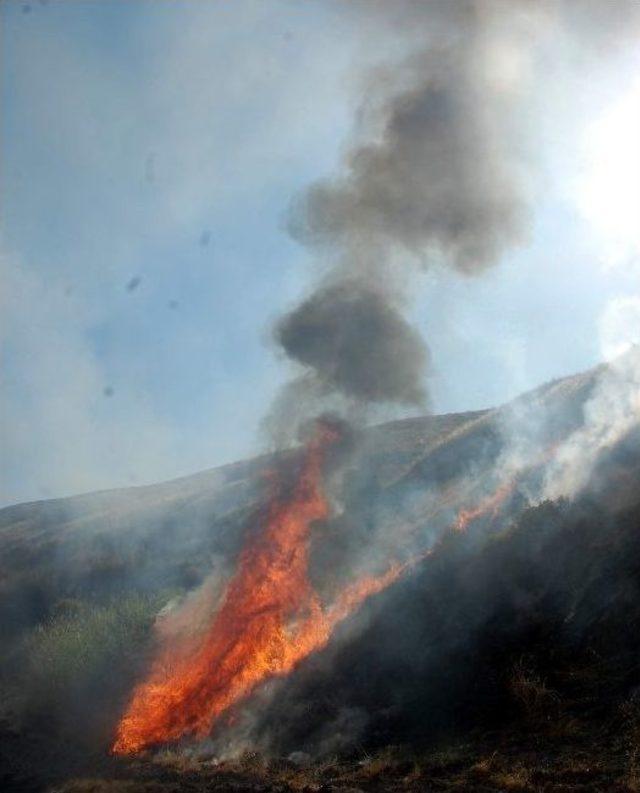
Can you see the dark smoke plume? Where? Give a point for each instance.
(441, 180)
(438, 173)
(334, 331)
(433, 177)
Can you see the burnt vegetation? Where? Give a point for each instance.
(507, 660)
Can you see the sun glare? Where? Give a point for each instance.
(609, 191)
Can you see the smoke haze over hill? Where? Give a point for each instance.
(324, 221)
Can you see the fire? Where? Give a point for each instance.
(490, 505)
(270, 617)
(269, 620)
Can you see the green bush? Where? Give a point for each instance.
(80, 664)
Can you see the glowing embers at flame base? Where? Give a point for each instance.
(270, 619)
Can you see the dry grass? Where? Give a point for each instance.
(538, 701)
(631, 779)
(447, 757)
(308, 777)
(516, 778)
(629, 712)
(509, 762)
(109, 786)
(177, 761)
(564, 727)
(373, 767)
(484, 766)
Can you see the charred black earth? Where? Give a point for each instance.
(508, 659)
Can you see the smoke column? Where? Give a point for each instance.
(438, 173)
(434, 176)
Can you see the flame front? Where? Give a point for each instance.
(269, 620)
(489, 506)
(270, 617)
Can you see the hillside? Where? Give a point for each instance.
(506, 654)
(173, 532)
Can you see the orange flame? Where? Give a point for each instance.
(490, 505)
(269, 620)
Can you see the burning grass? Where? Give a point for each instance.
(506, 663)
(269, 620)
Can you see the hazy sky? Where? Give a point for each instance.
(150, 150)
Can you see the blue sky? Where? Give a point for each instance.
(163, 142)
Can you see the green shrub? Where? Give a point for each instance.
(80, 664)
(77, 644)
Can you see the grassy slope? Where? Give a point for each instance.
(538, 692)
(75, 569)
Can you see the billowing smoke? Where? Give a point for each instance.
(435, 176)
(439, 173)
(610, 415)
(356, 342)
(441, 179)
